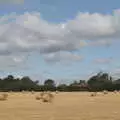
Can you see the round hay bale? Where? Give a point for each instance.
(3, 97)
(45, 100)
(56, 92)
(38, 98)
(115, 91)
(32, 92)
(93, 94)
(42, 94)
(47, 97)
(105, 92)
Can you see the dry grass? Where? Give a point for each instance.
(66, 106)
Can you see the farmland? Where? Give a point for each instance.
(65, 106)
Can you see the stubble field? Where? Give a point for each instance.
(66, 106)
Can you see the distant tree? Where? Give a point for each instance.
(26, 79)
(83, 82)
(49, 82)
(75, 83)
(10, 77)
(116, 84)
(100, 81)
(27, 83)
(62, 87)
(36, 82)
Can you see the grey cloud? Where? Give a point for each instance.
(11, 1)
(62, 56)
(31, 33)
(103, 60)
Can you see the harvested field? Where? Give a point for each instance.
(65, 106)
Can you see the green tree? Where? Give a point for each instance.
(100, 81)
(49, 84)
(62, 87)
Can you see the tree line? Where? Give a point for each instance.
(99, 82)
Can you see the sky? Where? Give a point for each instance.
(64, 40)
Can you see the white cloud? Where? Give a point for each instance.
(18, 59)
(29, 32)
(14, 62)
(91, 26)
(62, 56)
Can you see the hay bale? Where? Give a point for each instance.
(38, 98)
(48, 97)
(93, 94)
(42, 94)
(51, 97)
(3, 97)
(105, 92)
(45, 97)
(23, 92)
(45, 100)
(32, 92)
(115, 91)
(56, 92)
(10, 91)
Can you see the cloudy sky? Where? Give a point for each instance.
(59, 39)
